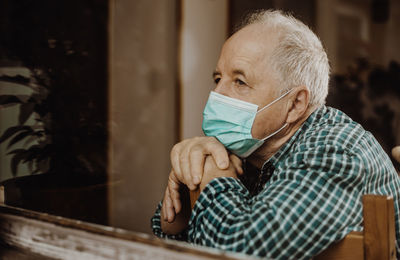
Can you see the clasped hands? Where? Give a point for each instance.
(195, 162)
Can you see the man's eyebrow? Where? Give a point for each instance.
(215, 73)
(240, 72)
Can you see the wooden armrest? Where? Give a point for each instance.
(349, 248)
(396, 153)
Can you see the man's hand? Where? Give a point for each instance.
(172, 204)
(211, 170)
(188, 157)
(172, 198)
(174, 213)
(175, 217)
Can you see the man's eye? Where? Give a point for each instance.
(240, 82)
(216, 80)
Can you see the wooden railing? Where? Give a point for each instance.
(51, 237)
(56, 237)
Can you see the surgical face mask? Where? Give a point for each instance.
(230, 120)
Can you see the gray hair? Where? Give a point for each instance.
(299, 58)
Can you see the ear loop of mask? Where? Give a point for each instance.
(276, 100)
(273, 102)
(277, 131)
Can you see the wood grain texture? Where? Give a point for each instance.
(349, 248)
(2, 197)
(379, 227)
(194, 195)
(61, 238)
(396, 153)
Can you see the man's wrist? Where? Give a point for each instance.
(211, 171)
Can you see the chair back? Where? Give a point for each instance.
(376, 242)
(378, 239)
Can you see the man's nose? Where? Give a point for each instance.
(222, 88)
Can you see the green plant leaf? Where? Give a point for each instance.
(13, 130)
(45, 153)
(15, 160)
(15, 151)
(30, 165)
(42, 166)
(31, 139)
(37, 97)
(33, 153)
(19, 137)
(9, 100)
(16, 79)
(34, 148)
(23, 98)
(25, 111)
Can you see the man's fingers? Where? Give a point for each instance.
(185, 168)
(220, 154)
(175, 159)
(163, 208)
(176, 201)
(188, 157)
(197, 158)
(169, 210)
(173, 188)
(237, 163)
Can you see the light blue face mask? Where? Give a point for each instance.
(230, 120)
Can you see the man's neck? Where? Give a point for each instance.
(271, 146)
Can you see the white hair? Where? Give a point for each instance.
(299, 58)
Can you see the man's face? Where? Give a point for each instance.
(242, 72)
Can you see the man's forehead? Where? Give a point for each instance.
(252, 42)
(256, 34)
(245, 50)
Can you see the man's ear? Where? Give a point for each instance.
(298, 105)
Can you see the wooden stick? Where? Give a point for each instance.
(194, 195)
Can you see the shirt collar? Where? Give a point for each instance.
(314, 117)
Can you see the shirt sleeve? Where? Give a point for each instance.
(310, 201)
(156, 227)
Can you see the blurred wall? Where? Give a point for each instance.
(143, 43)
(348, 31)
(144, 94)
(203, 31)
(393, 36)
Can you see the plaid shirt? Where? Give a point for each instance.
(310, 198)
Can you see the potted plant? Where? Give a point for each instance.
(66, 143)
(37, 136)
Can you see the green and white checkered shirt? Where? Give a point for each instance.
(311, 197)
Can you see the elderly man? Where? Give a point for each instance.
(305, 166)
